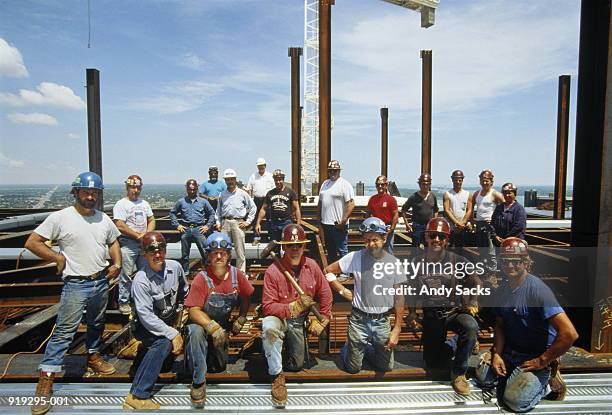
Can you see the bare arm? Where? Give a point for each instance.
(126, 230)
(398, 311)
(448, 211)
(115, 253)
(498, 197)
(469, 211)
(244, 305)
(297, 211)
(151, 224)
(566, 336)
(36, 244)
(350, 205)
(394, 221)
(199, 317)
(260, 217)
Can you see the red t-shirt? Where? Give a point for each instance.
(199, 291)
(383, 206)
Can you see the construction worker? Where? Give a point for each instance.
(424, 206)
(158, 290)
(335, 207)
(133, 217)
(384, 206)
(283, 205)
(459, 209)
(448, 310)
(369, 329)
(235, 213)
(215, 292)
(83, 235)
(287, 312)
(485, 201)
(211, 188)
(259, 184)
(194, 218)
(531, 333)
(509, 218)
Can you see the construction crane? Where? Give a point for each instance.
(310, 114)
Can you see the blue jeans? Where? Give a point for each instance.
(157, 350)
(187, 238)
(367, 337)
(520, 391)
(484, 239)
(389, 242)
(336, 242)
(131, 262)
(200, 353)
(276, 229)
(289, 333)
(418, 231)
(77, 295)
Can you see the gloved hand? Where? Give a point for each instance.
(472, 310)
(297, 307)
(217, 333)
(238, 324)
(412, 323)
(316, 327)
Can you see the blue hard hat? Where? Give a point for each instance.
(218, 240)
(373, 224)
(88, 180)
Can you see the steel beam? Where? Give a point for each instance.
(384, 138)
(324, 87)
(296, 128)
(426, 113)
(94, 132)
(562, 138)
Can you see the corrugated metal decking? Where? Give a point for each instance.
(587, 393)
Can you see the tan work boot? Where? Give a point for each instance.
(460, 384)
(557, 384)
(44, 390)
(279, 390)
(125, 309)
(132, 403)
(198, 394)
(95, 363)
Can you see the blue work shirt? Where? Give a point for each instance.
(236, 204)
(158, 295)
(212, 189)
(187, 212)
(509, 222)
(526, 311)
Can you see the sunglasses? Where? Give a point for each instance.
(440, 236)
(151, 249)
(381, 184)
(220, 244)
(513, 261)
(372, 227)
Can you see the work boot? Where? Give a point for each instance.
(44, 391)
(556, 383)
(198, 394)
(132, 403)
(460, 384)
(96, 364)
(125, 309)
(279, 390)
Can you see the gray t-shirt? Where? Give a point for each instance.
(83, 240)
(371, 293)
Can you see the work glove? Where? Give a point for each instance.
(412, 323)
(297, 307)
(217, 333)
(238, 324)
(316, 327)
(472, 310)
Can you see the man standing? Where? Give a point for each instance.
(287, 312)
(159, 290)
(235, 213)
(133, 217)
(335, 207)
(211, 188)
(458, 208)
(194, 218)
(83, 235)
(531, 333)
(369, 329)
(442, 312)
(424, 207)
(509, 218)
(259, 184)
(214, 293)
(485, 202)
(283, 204)
(384, 206)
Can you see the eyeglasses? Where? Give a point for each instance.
(372, 227)
(381, 184)
(440, 236)
(151, 249)
(513, 261)
(220, 244)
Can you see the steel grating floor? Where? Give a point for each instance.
(587, 393)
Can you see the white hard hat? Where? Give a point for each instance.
(228, 173)
(260, 161)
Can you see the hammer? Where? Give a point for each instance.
(269, 252)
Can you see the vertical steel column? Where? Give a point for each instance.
(384, 138)
(94, 132)
(296, 137)
(324, 87)
(562, 137)
(426, 113)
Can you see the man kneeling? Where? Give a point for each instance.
(287, 312)
(158, 291)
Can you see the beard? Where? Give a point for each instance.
(87, 204)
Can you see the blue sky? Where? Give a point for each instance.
(187, 83)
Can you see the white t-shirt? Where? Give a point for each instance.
(333, 197)
(458, 202)
(370, 280)
(83, 240)
(260, 185)
(134, 214)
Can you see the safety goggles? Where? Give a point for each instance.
(439, 235)
(151, 249)
(372, 227)
(510, 261)
(223, 244)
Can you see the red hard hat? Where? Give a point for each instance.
(438, 225)
(134, 180)
(293, 234)
(486, 174)
(457, 173)
(425, 178)
(514, 247)
(153, 241)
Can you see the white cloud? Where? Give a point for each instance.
(177, 98)
(192, 61)
(32, 118)
(7, 162)
(49, 94)
(11, 61)
(72, 136)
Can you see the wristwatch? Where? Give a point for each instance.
(342, 291)
(118, 266)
